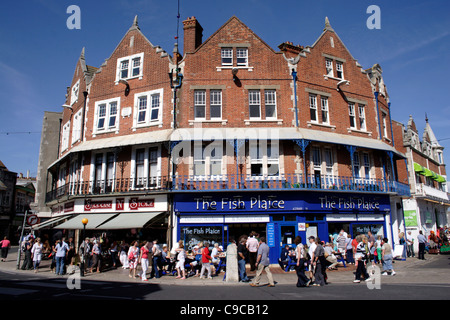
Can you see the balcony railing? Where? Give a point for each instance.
(183, 183)
(428, 191)
(288, 181)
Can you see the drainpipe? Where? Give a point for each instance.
(294, 80)
(378, 114)
(390, 120)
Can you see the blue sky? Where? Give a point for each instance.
(38, 52)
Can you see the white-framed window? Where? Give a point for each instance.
(356, 165)
(325, 111)
(254, 100)
(200, 104)
(242, 57)
(65, 136)
(329, 67)
(264, 158)
(227, 56)
(313, 107)
(107, 115)
(146, 167)
(148, 108)
(215, 104)
(351, 113)
(366, 165)
(270, 100)
(130, 67)
(74, 92)
(339, 70)
(362, 117)
(207, 159)
(328, 155)
(76, 127)
(385, 134)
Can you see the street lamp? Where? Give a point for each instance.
(84, 221)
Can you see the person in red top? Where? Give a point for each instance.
(6, 244)
(206, 261)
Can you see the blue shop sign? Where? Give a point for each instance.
(281, 202)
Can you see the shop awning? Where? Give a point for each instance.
(440, 179)
(94, 220)
(50, 223)
(428, 172)
(418, 168)
(129, 220)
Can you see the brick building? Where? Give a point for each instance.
(238, 137)
(424, 170)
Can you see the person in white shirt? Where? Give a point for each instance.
(252, 246)
(410, 244)
(36, 254)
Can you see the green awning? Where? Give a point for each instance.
(440, 179)
(418, 168)
(428, 172)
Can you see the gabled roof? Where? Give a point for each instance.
(428, 132)
(233, 18)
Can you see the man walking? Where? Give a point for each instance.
(262, 263)
(61, 251)
(422, 241)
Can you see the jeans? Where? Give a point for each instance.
(422, 251)
(242, 273)
(156, 267)
(349, 256)
(411, 250)
(60, 265)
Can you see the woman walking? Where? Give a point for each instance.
(302, 259)
(143, 260)
(386, 253)
(180, 262)
(36, 254)
(133, 255)
(361, 257)
(5, 244)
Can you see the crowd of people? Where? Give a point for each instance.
(149, 259)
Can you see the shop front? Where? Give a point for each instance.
(279, 216)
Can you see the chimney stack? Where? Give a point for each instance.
(290, 49)
(193, 33)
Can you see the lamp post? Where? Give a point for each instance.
(84, 221)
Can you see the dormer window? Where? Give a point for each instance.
(130, 67)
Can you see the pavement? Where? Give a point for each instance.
(411, 270)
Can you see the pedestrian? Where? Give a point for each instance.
(156, 260)
(252, 246)
(410, 245)
(133, 256)
(341, 242)
(6, 245)
(96, 256)
(242, 252)
(61, 250)
(302, 262)
(319, 264)
(181, 258)
(387, 258)
(349, 250)
(28, 262)
(36, 254)
(143, 260)
(114, 250)
(379, 250)
(311, 249)
(206, 261)
(361, 257)
(123, 257)
(262, 264)
(422, 242)
(84, 252)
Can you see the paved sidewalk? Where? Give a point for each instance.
(405, 270)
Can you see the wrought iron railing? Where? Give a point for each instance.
(186, 183)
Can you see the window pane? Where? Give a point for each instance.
(124, 69)
(227, 56)
(329, 67)
(324, 104)
(313, 107)
(351, 111)
(155, 107)
(216, 104)
(271, 104)
(241, 56)
(142, 109)
(136, 66)
(255, 103)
